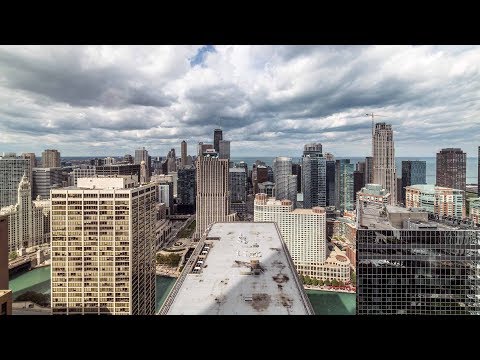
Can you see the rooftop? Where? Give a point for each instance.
(430, 188)
(239, 268)
(378, 217)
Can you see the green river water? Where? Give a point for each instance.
(323, 302)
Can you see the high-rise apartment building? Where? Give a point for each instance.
(358, 183)
(259, 175)
(51, 158)
(452, 168)
(303, 230)
(103, 247)
(384, 172)
(202, 148)
(109, 160)
(369, 170)
(45, 179)
(330, 182)
(360, 167)
(436, 200)
(224, 152)
(183, 147)
(412, 264)
(475, 210)
(344, 185)
(165, 195)
(28, 221)
(5, 294)
(414, 172)
(217, 136)
(12, 169)
(213, 195)
(186, 185)
(238, 184)
(285, 182)
(314, 181)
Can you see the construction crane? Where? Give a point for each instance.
(373, 121)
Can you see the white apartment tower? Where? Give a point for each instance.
(285, 182)
(213, 195)
(303, 230)
(384, 172)
(103, 247)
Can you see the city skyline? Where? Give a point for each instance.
(94, 100)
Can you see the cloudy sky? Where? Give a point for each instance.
(270, 100)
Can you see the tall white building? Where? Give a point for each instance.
(384, 172)
(303, 230)
(12, 169)
(45, 179)
(103, 247)
(213, 195)
(28, 221)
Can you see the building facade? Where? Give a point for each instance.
(103, 248)
(12, 169)
(369, 170)
(314, 181)
(224, 152)
(81, 173)
(213, 195)
(119, 169)
(238, 185)
(285, 182)
(409, 264)
(28, 221)
(186, 185)
(51, 158)
(183, 147)
(358, 183)
(475, 210)
(259, 175)
(384, 172)
(344, 185)
(414, 172)
(374, 193)
(5, 294)
(330, 182)
(436, 200)
(452, 168)
(45, 179)
(217, 136)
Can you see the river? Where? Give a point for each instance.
(323, 302)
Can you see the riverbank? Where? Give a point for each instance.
(331, 289)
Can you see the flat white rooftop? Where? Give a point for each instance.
(226, 284)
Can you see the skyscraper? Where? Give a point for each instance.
(344, 185)
(33, 163)
(478, 175)
(224, 152)
(119, 169)
(203, 147)
(369, 170)
(217, 136)
(314, 179)
(409, 263)
(384, 172)
(184, 152)
(330, 182)
(297, 170)
(12, 169)
(186, 187)
(28, 221)
(452, 168)
(51, 158)
(103, 255)
(414, 172)
(142, 155)
(358, 183)
(259, 175)
(213, 196)
(285, 182)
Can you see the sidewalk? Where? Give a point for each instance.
(328, 288)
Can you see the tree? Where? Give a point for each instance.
(353, 278)
(308, 280)
(328, 282)
(315, 282)
(302, 278)
(341, 283)
(335, 282)
(12, 256)
(320, 282)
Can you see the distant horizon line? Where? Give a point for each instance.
(250, 156)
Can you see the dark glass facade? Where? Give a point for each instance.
(414, 172)
(330, 182)
(418, 272)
